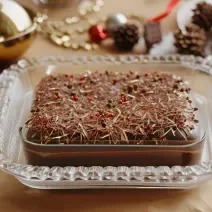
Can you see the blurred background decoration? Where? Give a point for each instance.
(17, 29)
(57, 2)
(83, 25)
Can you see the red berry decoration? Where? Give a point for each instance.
(97, 33)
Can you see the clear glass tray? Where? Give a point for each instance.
(17, 86)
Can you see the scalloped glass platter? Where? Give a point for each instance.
(17, 85)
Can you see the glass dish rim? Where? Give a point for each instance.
(114, 145)
(28, 172)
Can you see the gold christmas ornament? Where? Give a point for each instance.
(17, 29)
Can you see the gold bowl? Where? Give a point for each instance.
(17, 29)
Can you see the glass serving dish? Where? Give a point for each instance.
(185, 165)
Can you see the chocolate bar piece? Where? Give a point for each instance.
(152, 33)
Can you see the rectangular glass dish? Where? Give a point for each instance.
(178, 164)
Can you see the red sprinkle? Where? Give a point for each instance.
(146, 74)
(181, 124)
(114, 82)
(89, 99)
(149, 127)
(82, 78)
(57, 96)
(124, 99)
(109, 115)
(75, 98)
(120, 101)
(91, 116)
(140, 94)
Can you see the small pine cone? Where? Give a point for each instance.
(203, 16)
(192, 41)
(126, 36)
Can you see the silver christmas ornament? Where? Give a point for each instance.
(114, 21)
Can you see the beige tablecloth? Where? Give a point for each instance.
(15, 197)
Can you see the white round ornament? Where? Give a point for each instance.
(114, 21)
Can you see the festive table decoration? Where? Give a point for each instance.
(126, 36)
(16, 30)
(203, 15)
(131, 32)
(114, 21)
(152, 33)
(194, 20)
(97, 33)
(192, 42)
(118, 27)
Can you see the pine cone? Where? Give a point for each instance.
(203, 16)
(126, 36)
(191, 42)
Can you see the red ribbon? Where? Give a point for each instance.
(168, 10)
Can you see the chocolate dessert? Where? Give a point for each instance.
(113, 119)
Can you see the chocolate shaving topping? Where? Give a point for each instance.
(92, 109)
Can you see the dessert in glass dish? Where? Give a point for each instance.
(108, 118)
(144, 109)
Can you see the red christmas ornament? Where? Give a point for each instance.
(97, 33)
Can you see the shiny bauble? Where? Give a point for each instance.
(97, 34)
(17, 29)
(114, 21)
(14, 18)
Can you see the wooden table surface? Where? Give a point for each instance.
(15, 197)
